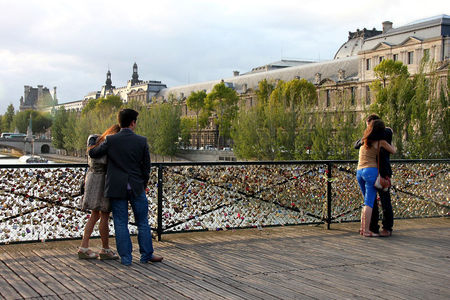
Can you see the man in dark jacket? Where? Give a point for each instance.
(127, 175)
(385, 196)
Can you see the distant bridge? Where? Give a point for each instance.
(26, 145)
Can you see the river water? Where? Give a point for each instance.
(11, 160)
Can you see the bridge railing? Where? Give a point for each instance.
(41, 202)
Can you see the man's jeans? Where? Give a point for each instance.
(388, 216)
(119, 208)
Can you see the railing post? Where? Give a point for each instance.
(329, 191)
(160, 197)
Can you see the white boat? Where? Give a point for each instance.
(32, 159)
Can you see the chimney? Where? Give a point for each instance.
(54, 95)
(387, 25)
(235, 73)
(341, 75)
(317, 78)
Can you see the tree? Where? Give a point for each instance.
(223, 101)
(196, 102)
(161, 124)
(40, 121)
(389, 69)
(186, 126)
(392, 104)
(7, 120)
(59, 123)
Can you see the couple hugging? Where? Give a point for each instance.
(119, 168)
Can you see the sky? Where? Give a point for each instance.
(72, 44)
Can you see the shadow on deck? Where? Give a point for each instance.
(303, 262)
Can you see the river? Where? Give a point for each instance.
(11, 160)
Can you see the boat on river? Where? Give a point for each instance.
(32, 159)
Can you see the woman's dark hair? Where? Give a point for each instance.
(126, 116)
(375, 128)
(111, 130)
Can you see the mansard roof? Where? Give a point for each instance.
(424, 29)
(327, 69)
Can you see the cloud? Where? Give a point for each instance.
(71, 44)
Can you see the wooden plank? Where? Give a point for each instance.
(27, 261)
(6, 290)
(14, 277)
(61, 277)
(192, 290)
(162, 291)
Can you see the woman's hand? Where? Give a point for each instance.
(390, 148)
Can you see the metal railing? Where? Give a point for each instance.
(41, 202)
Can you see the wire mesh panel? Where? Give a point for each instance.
(43, 203)
(421, 190)
(418, 190)
(40, 204)
(236, 196)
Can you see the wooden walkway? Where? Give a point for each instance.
(301, 262)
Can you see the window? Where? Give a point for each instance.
(367, 95)
(395, 58)
(410, 58)
(426, 54)
(368, 64)
(352, 95)
(328, 98)
(381, 58)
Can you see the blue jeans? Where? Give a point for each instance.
(366, 179)
(119, 208)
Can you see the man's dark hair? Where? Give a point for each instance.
(126, 116)
(372, 117)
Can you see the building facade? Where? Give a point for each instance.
(37, 98)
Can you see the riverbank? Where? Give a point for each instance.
(65, 159)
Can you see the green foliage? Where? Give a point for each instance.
(161, 124)
(223, 101)
(389, 69)
(40, 121)
(279, 127)
(196, 102)
(186, 126)
(59, 123)
(104, 105)
(7, 119)
(264, 91)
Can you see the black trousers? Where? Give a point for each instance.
(388, 215)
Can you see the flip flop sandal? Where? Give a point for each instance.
(86, 253)
(108, 254)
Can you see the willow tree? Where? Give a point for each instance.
(223, 100)
(393, 96)
(196, 102)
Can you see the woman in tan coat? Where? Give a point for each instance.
(94, 201)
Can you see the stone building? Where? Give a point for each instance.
(37, 98)
(349, 74)
(135, 89)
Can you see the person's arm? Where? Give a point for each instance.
(357, 144)
(100, 150)
(146, 164)
(391, 149)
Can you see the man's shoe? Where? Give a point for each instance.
(385, 233)
(154, 258)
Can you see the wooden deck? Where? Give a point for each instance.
(301, 262)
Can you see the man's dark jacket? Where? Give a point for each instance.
(385, 161)
(128, 162)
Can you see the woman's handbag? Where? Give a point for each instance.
(381, 183)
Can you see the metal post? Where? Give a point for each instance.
(329, 191)
(160, 197)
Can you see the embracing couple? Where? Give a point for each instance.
(127, 169)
